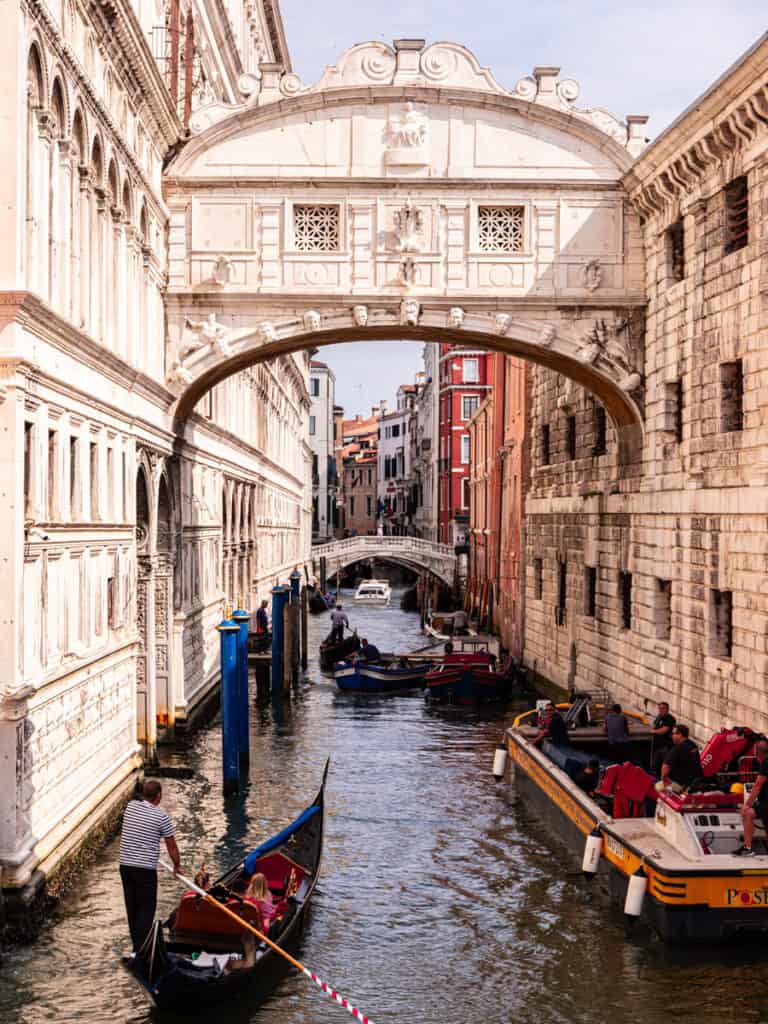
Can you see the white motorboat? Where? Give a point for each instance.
(373, 592)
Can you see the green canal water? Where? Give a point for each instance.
(441, 901)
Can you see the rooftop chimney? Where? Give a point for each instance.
(383, 406)
(358, 417)
(374, 411)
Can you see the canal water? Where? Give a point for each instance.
(441, 900)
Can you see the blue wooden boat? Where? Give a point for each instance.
(380, 677)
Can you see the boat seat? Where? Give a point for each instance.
(571, 760)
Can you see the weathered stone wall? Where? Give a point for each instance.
(688, 522)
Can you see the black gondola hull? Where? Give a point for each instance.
(168, 972)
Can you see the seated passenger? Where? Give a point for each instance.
(369, 652)
(202, 878)
(681, 764)
(259, 895)
(460, 623)
(756, 804)
(553, 727)
(589, 776)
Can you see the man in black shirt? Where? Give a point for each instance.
(681, 764)
(553, 728)
(756, 804)
(369, 652)
(661, 730)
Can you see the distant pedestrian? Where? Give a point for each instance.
(616, 728)
(144, 825)
(262, 618)
(338, 621)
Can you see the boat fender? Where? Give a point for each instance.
(633, 903)
(500, 761)
(592, 850)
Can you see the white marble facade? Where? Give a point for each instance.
(123, 538)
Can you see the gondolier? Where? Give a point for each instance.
(338, 621)
(144, 825)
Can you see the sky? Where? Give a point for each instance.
(650, 58)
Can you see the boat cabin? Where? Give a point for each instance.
(373, 592)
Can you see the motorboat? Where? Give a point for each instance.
(373, 592)
(670, 858)
(467, 675)
(385, 675)
(440, 626)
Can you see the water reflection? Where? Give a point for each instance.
(441, 899)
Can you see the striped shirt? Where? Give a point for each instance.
(144, 825)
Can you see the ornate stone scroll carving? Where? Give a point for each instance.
(312, 320)
(547, 336)
(408, 222)
(410, 311)
(406, 272)
(502, 323)
(407, 137)
(223, 271)
(267, 332)
(592, 275)
(209, 332)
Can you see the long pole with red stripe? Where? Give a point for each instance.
(286, 956)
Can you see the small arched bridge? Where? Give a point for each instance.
(413, 552)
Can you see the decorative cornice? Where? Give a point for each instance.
(714, 133)
(29, 310)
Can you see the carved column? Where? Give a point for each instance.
(146, 695)
(163, 648)
(98, 258)
(543, 242)
(64, 228)
(361, 239)
(84, 237)
(116, 282)
(42, 199)
(456, 244)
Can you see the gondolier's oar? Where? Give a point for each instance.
(286, 956)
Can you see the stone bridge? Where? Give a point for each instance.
(413, 552)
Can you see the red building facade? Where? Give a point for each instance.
(465, 381)
(499, 483)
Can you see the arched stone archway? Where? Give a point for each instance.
(408, 194)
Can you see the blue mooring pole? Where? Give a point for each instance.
(243, 741)
(279, 601)
(295, 579)
(228, 631)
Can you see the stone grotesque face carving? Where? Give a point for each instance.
(312, 320)
(592, 275)
(360, 315)
(547, 336)
(503, 322)
(410, 310)
(222, 271)
(267, 331)
(456, 316)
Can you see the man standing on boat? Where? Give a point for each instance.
(338, 621)
(756, 804)
(144, 825)
(661, 730)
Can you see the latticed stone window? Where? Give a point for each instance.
(500, 228)
(316, 228)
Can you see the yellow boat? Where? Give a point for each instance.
(674, 868)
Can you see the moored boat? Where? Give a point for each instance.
(467, 676)
(316, 602)
(668, 858)
(188, 968)
(382, 676)
(373, 592)
(332, 651)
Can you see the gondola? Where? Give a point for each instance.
(331, 653)
(187, 969)
(390, 674)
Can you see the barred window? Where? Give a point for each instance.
(500, 228)
(316, 228)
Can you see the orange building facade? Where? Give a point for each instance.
(498, 483)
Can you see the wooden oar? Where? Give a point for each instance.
(286, 956)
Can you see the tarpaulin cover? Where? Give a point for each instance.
(279, 839)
